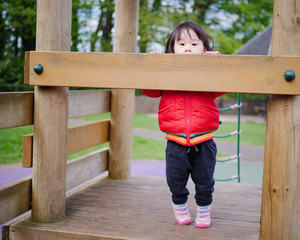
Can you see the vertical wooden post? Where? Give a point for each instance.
(122, 103)
(281, 181)
(50, 117)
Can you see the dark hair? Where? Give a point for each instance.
(200, 32)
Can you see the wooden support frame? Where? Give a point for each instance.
(17, 108)
(122, 100)
(53, 33)
(281, 199)
(280, 214)
(223, 73)
(15, 197)
(80, 137)
(88, 102)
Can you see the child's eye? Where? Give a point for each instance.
(181, 44)
(194, 44)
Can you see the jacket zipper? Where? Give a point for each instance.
(187, 117)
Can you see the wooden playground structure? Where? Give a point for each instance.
(94, 197)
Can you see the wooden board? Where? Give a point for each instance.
(122, 100)
(224, 73)
(86, 167)
(15, 198)
(80, 137)
(27, 150)
(5, 226)
(87, 135)
(140, 208)
(16, 109)
(281, 180)
(88, 102)
(53, 33)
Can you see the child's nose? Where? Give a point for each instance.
(188, 48)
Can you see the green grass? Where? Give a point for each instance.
(145, 122)
(86, 151)
(95, 117)
(143, 148)
(11, 144)
(253, 133)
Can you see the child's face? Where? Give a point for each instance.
(188, 43)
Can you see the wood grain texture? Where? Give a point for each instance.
(27, 150)
(87, 135)
(88, 102)
(223, 73)
(123, 209)
(15, 199)
(53, 33)
(16, 109)
(281, 180)
(79, 137)
(26, 68)
(86, 167)
(122, 100)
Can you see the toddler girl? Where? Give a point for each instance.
(189, 120)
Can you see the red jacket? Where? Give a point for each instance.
(187, 114)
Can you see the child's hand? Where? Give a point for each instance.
(212, 53)
(155, 52)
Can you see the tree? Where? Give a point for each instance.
(105, 25)
(230, 22)
(17, 24)
(246, 17)
(75, 26)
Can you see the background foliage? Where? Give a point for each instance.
(230, 22)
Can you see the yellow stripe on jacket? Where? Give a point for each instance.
(193, 141)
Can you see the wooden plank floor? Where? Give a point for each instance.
(140, 208)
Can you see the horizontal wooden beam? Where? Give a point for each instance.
(15, 197)
(87, 167)
(16, 109)
(222, 73)
(87, 135)
(88, 102)
(80, 137)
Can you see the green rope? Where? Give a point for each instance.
(229, 159)
(229, 135)
(238, 137)
(234, 106)
(238, 105)
(228, 179)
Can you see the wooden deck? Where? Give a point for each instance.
(140, 208)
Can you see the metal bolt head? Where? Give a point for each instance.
(289, 75)
(38, 69)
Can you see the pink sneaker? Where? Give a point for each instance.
(203, 217)
(181, 213)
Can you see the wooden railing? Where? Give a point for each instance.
(17, 109)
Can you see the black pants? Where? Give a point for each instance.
(198, 161)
